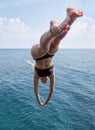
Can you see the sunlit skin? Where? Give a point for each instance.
(49, 43)
(44, 79)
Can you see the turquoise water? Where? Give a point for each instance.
(72, 106)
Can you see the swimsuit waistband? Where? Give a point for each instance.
(44, 57)
(44, 72)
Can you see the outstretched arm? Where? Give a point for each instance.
(36, 79)
(52, 80)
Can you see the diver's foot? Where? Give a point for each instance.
(65, 28)
(74, 13)
(54, 28)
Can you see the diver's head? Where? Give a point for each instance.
(44, 79)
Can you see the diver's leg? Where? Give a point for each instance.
(72, 15)
(47, 36)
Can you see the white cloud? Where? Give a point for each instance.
(81, 35)
(14, 33)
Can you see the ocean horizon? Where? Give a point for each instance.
(72, 105)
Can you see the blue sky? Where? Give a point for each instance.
(22, 22)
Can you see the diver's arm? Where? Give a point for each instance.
(52, 80)
(36, 79)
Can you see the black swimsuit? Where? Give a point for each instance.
(44, 72)
(44, 57)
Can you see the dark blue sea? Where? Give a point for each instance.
(72, 105)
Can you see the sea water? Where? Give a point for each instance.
(72, 105)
